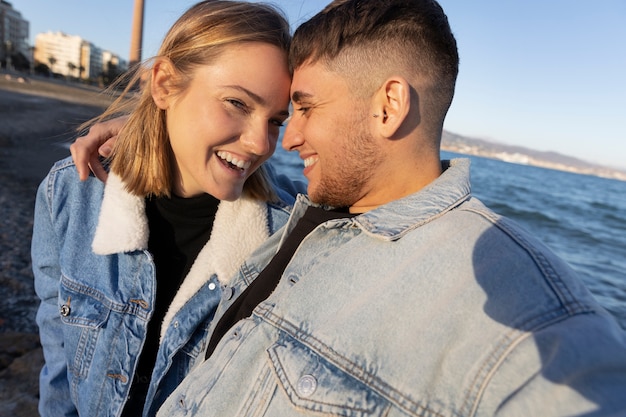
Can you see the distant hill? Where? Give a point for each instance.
(453, 142)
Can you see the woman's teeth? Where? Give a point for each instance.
(231, 159)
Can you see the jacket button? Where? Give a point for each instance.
(65, 310)
(306, 386)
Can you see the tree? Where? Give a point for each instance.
(42, 69)
(52, 60)
(72, 67)
(111, 73)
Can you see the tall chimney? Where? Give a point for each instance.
(137, 34)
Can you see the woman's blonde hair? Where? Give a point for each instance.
(142, 155)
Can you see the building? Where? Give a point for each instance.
(13, 34)
(61, 52)
(113, 63)
(66, 55)
(73, 56)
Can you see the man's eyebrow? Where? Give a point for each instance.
(255, 97)
(299, 96)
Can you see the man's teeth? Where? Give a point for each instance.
(310, 161)
(228, 157)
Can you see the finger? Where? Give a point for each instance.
(81, 160)
(107, 147)
(98, 170)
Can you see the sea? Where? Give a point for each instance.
(582, 218)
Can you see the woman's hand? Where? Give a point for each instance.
(99, 141)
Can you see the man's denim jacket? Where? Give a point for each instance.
(431, 305)
(97, 286)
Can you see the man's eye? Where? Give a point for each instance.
(303, 109)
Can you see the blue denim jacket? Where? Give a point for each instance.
(431, 305)
(96, 282)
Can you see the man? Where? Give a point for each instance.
(412, 298)
(409, 297)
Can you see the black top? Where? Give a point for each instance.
(268, 279)
(179, 229)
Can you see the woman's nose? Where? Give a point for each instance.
(257, 140)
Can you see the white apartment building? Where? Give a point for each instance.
(68, 55)
(73, 56)
(61, 52)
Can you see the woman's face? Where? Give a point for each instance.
(226, 123)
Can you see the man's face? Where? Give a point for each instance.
(330, 128)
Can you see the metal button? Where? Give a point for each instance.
(212, 286)
(176, 324)
(307, 384)
(65, 310)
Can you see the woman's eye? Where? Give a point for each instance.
(237, 103)
(277, 122)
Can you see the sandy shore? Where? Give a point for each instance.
(37, 122)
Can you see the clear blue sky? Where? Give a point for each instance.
(545, 74)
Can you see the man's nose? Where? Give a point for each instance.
(293, 136)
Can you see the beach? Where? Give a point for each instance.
(38, 118)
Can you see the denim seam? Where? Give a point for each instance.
(364, 223)
(346, 365)
(291, 391)
(132, 307)
(560, 290)
(501, 351)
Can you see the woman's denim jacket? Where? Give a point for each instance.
(431, 305)
(96, 282)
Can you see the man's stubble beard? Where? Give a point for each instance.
(345, 176)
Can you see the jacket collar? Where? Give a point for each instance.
(122, 225)
(393, 220)
(240, 227)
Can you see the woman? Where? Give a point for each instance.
(127, 274)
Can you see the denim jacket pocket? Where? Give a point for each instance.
(81, 305)
(83, 313)
(311, 382)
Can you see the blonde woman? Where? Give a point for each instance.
(130, 273)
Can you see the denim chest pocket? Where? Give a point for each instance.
(84, 315)
(81, 306)
(312, 383)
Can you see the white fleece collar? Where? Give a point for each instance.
(239, 228)
(122, 225)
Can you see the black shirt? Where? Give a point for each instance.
(179, 229)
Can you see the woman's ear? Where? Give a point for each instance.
(392, 105)
(160, 85)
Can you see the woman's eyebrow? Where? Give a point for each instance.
(255, 97)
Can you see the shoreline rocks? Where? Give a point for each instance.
(21, 358)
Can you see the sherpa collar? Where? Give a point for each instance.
(239, 228)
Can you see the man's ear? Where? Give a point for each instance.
(161, 81)
(392, 105)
